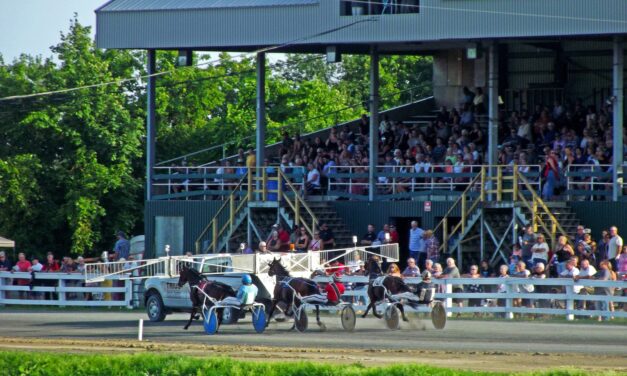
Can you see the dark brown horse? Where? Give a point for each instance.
(286, 287)
(199, 284)
(379, 290)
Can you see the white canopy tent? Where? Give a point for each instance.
(6, 243)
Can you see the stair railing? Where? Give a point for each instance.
(536, 207)
(233, 208)
(465, 209)
(297, 204)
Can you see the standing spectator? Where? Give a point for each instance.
(429, 266)
(451, 271)
(411, 270)
(485, 269)
(551, 174)
(614, 247)
(326, 234)
(603, 246)
(370, 236)
(394, 271)
(416, 244)
(5, 263)
(432, 246)
(563, 253)
(522, 272)
(605, 273)
(122, 248)
(393, 234)
(503, 269)
(35, 267)
(527, 240)
(50, 266)
(586, 270)
(68, 265)
(474, 288)
(540, 251)
(22, 265)
(539, 273)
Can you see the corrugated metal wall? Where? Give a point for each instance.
(197, 215)
(599, 216)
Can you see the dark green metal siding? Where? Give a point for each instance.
(357, 215)
(599, 216)
(197, 215)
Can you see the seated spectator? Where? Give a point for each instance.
(370, 236)
(411, 270)
(302, 243)
(274, 243)
(313, 179)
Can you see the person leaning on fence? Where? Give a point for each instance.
(451, 271)
(474, 287)
(122, 248)
(538, 272)
(412, 270)
(5, 263)
(503, 269)
(22, 265)
(605, 273)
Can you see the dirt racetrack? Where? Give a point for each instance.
(478, 345)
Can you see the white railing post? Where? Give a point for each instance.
(509, 301)
(61, 291)
(2, 293)
(448, 288)
(570, 303)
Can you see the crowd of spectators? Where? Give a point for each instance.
(66, 265)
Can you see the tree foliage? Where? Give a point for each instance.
(71, 164)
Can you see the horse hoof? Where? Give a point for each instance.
(197, 317)
(322, 327)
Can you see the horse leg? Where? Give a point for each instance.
(191, 317)
(274, 303)
(374, 310)
(400, 308)
(320, 323)
(367, 309)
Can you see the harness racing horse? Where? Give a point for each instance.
(198, 287)
(382, 287)
(289, 290)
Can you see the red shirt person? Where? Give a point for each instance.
(51, 265)
(22, 265)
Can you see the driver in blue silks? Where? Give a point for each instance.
(247, 292)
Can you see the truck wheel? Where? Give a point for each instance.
(154, 307)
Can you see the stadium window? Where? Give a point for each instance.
(378, 7)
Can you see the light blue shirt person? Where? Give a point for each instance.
(416, 243)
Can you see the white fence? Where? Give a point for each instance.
(560, 301)
(64, 290)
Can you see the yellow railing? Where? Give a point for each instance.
(298, 205)
(503, 185)
(553, 228)
(233, 206)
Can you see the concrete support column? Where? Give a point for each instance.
(493, 105)
(261, 115)
(374, 123)
(617, 122)
(151, 130)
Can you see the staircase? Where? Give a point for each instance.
(327, 214)
(497, 202)
(261, 200)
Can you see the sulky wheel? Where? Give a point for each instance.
(300, 319)
(392, 317)
(438, 315)
(210, 321)
(259, 318)
(348, 318)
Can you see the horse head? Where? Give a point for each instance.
(372, 265)
(276, 268)
(183, 276)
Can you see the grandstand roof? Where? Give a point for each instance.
(311, 25)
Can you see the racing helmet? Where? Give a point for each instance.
(426, 275)
(246, 279)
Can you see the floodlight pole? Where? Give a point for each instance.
(150, 122)
(618, 67)
(493, 108)
(374, 126)
(261, 117)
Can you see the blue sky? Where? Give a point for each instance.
(32, 26)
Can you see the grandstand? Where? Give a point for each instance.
(516, 86)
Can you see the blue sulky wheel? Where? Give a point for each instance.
(210, 321)
(259, 318)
